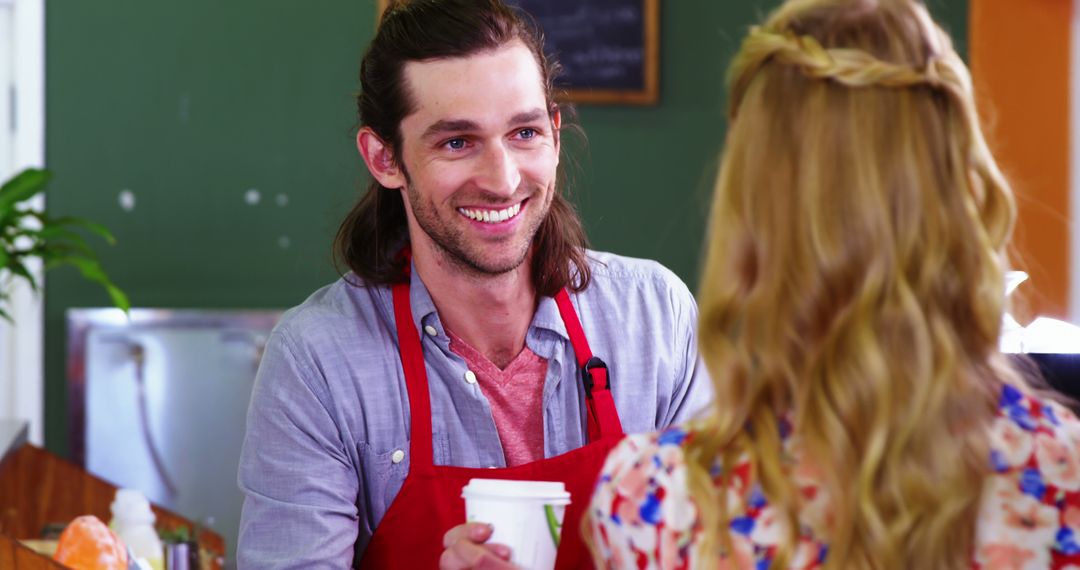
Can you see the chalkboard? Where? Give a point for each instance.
(609, 49)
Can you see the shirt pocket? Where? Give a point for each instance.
(382, 473)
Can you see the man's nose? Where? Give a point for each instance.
(499, 171)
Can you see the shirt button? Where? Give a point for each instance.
(431, 330)
(470, 377)
(397, 456)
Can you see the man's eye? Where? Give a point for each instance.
(527, 133)
(455, 144)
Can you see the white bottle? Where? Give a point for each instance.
(133, 522)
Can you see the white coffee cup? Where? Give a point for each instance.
(527, 516)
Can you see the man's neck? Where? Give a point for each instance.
(491, 313)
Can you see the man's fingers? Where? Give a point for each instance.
(479, 532)
(466, 549)
(489, 562)
(473, 532)
(464, 555)
(452, 559)
(500, 550)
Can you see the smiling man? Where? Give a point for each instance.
(475, 335)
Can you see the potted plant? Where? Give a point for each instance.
(27, 233)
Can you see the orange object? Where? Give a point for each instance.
(87, 544)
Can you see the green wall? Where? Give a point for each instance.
(189, 105)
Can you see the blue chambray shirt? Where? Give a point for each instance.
(327, 442)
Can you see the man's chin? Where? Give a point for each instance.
(493, 266)
(495, 269)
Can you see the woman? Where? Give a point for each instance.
(851, 304)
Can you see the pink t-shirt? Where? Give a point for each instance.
(516, 396)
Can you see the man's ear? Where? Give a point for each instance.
(556, 124)
(379, 158)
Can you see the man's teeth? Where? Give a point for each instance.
(491, 216)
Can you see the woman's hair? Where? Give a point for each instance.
(853, 285)
(372, 235)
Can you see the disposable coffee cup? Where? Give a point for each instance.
(527, 516)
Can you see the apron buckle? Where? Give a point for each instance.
(587, 375)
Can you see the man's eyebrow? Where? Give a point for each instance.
(444, 126)
(528, 116)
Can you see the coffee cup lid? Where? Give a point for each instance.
(508, 489)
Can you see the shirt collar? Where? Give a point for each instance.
(548, 317)
(422, 306)
(424, 313)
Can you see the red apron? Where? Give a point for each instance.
(429, 504)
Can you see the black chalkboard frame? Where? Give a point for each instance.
(648, 95)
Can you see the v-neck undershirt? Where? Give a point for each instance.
(515, 395)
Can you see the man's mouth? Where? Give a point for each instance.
(491, 216)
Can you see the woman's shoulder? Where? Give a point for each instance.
(1033, 432)
(644, 469)
(641, 509)
(1031, 504)
(633, 448)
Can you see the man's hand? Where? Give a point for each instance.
(466, 548)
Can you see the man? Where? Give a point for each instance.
(460, 336)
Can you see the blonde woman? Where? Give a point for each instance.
(851, 303)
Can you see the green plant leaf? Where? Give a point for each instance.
(19, 269)
(10, 219)
(4, 315)
(53, 232)
(91, 270)
(73, 221)
(53, 242)
(22, 187)
(119, 298)
(55, 248)
(14, 221)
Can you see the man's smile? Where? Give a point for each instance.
(489, 216)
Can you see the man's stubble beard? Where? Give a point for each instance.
(450, 243)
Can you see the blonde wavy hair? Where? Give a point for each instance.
(853, 284)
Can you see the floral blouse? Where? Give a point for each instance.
(642, 515)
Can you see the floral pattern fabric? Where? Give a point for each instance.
(642, 515)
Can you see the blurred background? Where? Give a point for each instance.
(215, 140)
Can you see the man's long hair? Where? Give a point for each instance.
(853, 284)
(374, 233)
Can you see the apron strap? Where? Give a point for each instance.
(416, 381)
(603, 418)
